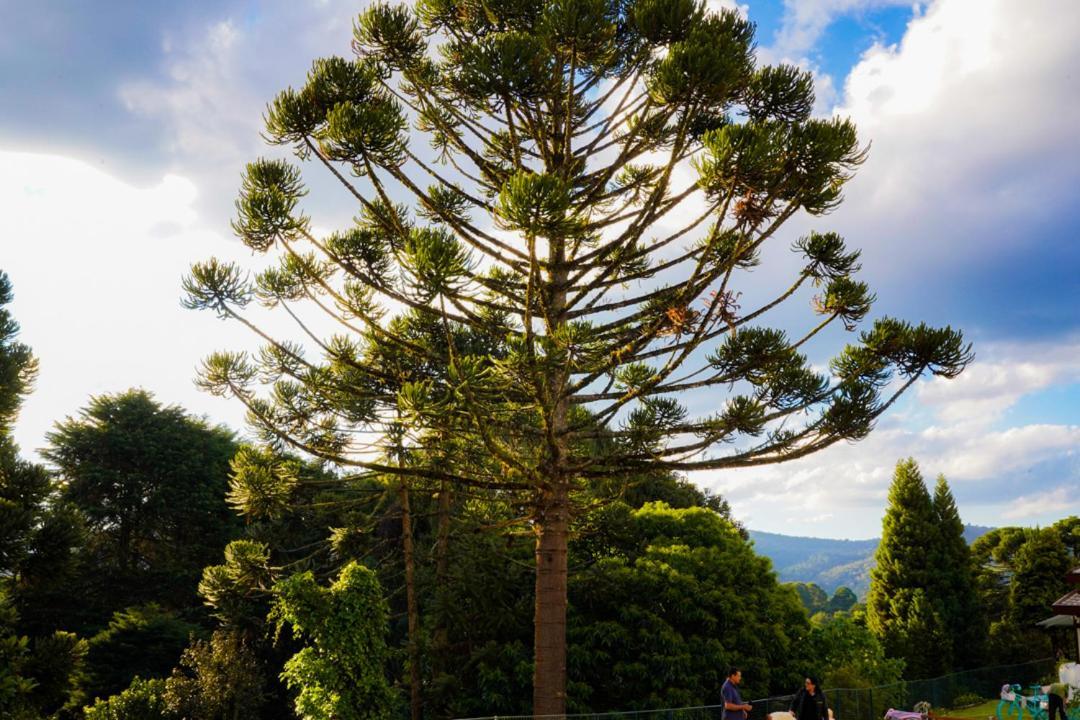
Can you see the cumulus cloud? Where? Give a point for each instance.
(970, 118)
(988, 388)
(218, 80)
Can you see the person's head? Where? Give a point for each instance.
(810, 683)
(734, 675)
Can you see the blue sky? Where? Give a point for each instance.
(125, 126)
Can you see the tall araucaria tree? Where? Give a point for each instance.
(597, 178)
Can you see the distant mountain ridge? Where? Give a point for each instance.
(827, 562)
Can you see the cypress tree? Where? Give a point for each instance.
(955, 588)
(899, 612)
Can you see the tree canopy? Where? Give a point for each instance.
(150, 480)
(559, 264)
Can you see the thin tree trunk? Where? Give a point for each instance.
(415, 706)
(441, 639)
(549, 675)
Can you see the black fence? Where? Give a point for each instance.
(857, 703)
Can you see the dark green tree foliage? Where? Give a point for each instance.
(57, 665)
(40, 670)
(1039, 569)
(15, 683)
(340, 674)
(815, 600)
(812, 597)
(548, 215)
(993, 556)
(140, 641)
(486, 609)
(219, 679)
(955, 590)
(1018, 573)
(674, 490)
(18, 366)
(150, 481)
(1068, 529)
(843, 600)
(656, 622)
(900, 608)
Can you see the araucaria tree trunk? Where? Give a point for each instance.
(558, 263)
(549, 674)
(412, 608)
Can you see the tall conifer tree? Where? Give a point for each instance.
(955, 589)
(900, 609)
(599, 176)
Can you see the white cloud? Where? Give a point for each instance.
(805, 21)
(971, 120)
(213, 113)
(1059, 499)
(95, 266)
(717, 5)
(219, 81)
(987, 388)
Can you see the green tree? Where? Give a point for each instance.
(899, 611)
(993, 556)
(656, 622)
(1068, 529)
(142, 700)
(139, 641)
(559, 224)
(57, 665)
(151, 482)
(813, 598)
(40, 670)
(341, 674)
(221, 679)
(15, 683)
(18, 366)
(24, 486)
(849, 655)
(1018, 573)
(1039, 567)
(23, 490)
(843, 600)
(955, 590)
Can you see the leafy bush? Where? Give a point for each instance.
(145, 640)
(143, 700)
(967, 700)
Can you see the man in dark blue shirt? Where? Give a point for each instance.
(734, 707)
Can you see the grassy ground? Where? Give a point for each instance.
(978, 712)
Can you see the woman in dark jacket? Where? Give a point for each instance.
(810, 703)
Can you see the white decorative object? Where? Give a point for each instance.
(1070, 674)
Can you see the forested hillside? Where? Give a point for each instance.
(827, 562)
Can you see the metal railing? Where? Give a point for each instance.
(869, 703)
